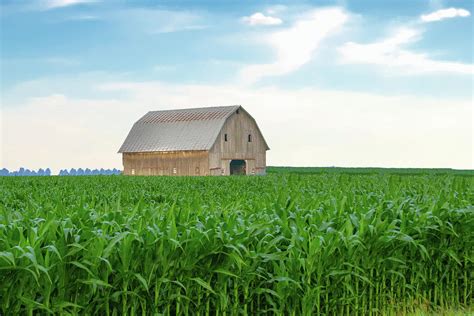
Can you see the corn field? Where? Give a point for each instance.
(283, 244)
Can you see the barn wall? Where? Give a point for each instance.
(180, 163)
(238, 127)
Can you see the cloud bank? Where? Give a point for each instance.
(295, 45)
(391, 53)
(326, 128)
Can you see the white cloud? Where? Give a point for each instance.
(444, 14)
(261, 19)
(322, 128)
(391, 53)
(75, 122)
(295, 45)
(54, 4)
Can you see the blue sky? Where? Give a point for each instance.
(77, 59)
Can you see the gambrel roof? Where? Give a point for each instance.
(177, 130)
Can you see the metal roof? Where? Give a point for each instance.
(175, 130)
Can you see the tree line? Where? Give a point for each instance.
(62, 172)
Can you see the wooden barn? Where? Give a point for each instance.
(201, 141)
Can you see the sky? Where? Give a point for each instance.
(330, 83)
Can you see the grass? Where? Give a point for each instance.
(287, 243)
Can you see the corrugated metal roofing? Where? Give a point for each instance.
(174, 130)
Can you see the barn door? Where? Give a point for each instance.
(238, 167)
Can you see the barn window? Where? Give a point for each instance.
(250, 138)
(174, 171)
(237, 111)
(225, 137)
(133, 171)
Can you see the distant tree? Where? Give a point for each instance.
(40, 172)
(4, 172)
(74, 172)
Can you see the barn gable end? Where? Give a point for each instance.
(239, 139)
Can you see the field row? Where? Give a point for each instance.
(284, 244)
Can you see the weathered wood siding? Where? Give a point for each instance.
(238, 127)
(179, 163)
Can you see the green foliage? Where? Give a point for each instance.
(372, 170)
(289, 244)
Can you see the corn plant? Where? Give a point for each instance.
(285, 244)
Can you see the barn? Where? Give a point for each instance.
(222, 140)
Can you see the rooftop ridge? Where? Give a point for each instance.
(197, 109)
